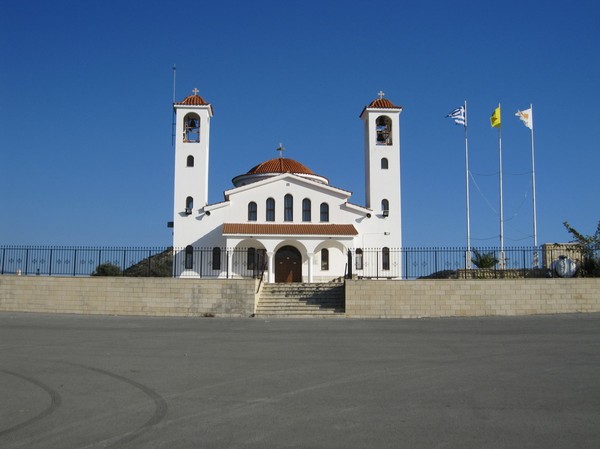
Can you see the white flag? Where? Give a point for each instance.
(526, 117)
(459, 116)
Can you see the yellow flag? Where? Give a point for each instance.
(495, 118)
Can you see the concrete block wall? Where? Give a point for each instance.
(128, 296)
(443, 298)
(237, 297)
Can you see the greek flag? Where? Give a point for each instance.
(459, 116)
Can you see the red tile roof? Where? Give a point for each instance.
(280, 165)
(193, 100)
(289, 229)
(383, 103)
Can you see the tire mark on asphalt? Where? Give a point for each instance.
(55, 402)
(159, 403)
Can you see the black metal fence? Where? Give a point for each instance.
(219, 262)
(75, 261)
(377, 263)
(415, 263)
(131, 261)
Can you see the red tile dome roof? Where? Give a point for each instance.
(193, 100)
(383, 103)
(277, 166)
(280, 165)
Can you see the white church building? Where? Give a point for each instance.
(280, 219)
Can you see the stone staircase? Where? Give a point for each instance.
(302, 300)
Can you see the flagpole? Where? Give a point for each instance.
(535, 243)
(468, 253)
(501, 204)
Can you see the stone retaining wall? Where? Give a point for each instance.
(237, 297)
(128, 296)
(456, 297)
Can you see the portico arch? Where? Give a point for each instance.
(288, 264)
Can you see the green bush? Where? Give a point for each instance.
(107, 269)
(484, 260)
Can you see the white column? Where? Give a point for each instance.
(311, 257)
(270, 261)
(229, 262)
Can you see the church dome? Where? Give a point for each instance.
(274, 167)
(281, 165)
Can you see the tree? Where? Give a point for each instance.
(590, 249)
(487, 260)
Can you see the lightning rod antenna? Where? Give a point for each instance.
(173, 121)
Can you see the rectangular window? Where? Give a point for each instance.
(359, 259)
(385, 259)
(252, 211)
(270, 210)
(189, 257)
(288, 205)
(324, 259)
(251, 258)
(306, 212)
(324, 212)
(216, 258)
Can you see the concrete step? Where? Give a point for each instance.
(301, 300)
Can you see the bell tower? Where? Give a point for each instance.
(192, 143)
(382, 167)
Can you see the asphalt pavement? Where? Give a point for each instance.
(69, 381)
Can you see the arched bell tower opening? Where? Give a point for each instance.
(191, 128)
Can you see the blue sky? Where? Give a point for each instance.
(86, 90)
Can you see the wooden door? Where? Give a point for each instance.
(288, 265)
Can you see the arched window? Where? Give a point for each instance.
(383, 125)
(270, 209)
(189, 257)
(191, 128)
(252, 212)
(216, 258)
(288, 204)
(385, 207)
(190, 161)
(385, 258)
(324, 259)
(384, 163)
(359, 259)
(324, 212)
(189, 205)
(306, 212)
(251, 258)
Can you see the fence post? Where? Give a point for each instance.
(50, 264)
(26, 260)
(3, 254)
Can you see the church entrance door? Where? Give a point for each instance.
(288, 265)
